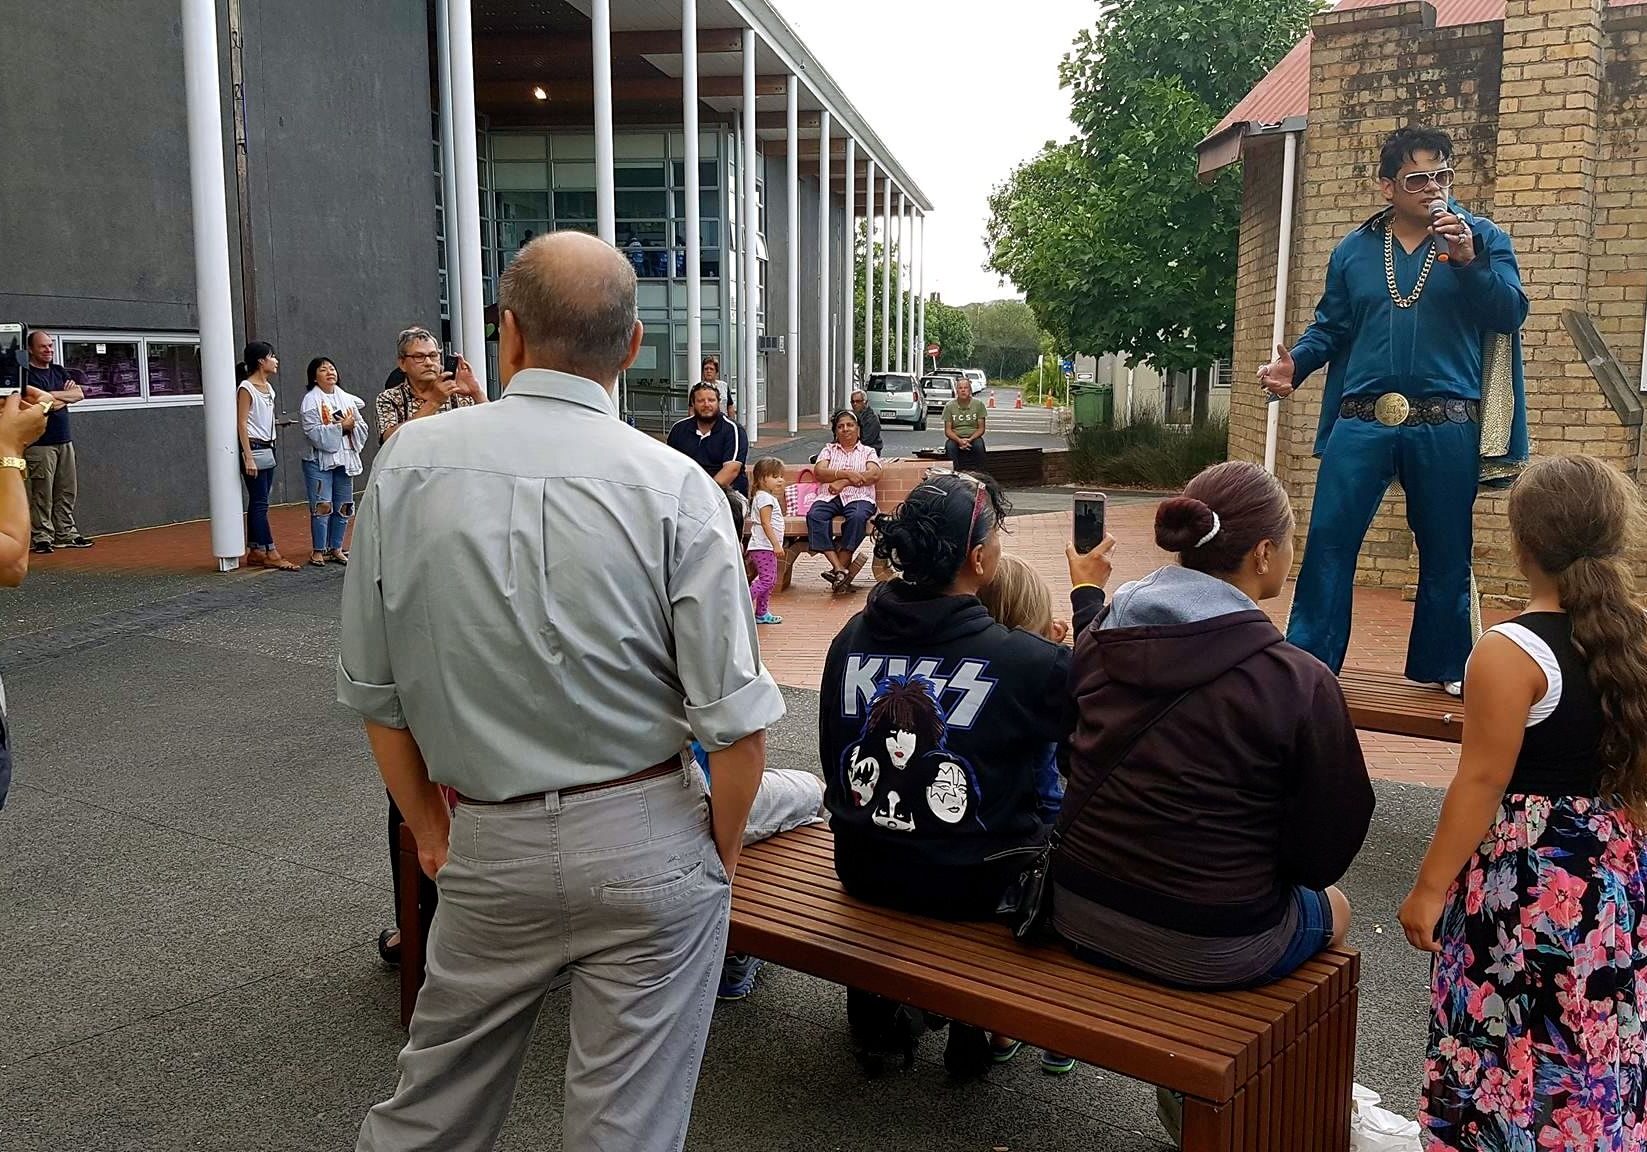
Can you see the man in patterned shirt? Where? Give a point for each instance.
(426, 389)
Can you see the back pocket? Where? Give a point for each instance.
(652, 891)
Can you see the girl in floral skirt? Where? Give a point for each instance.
(1532, 894)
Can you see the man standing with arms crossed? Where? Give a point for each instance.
(1411, 302)
(54, 481)
(533, 629)
(964, 422)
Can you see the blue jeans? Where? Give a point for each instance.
(258, 533)
(820, 524)
(1439, 467)
(331, 493)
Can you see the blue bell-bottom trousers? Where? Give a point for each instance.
(1438, 466)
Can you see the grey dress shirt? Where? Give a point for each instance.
(547, 598)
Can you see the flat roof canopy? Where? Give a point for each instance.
(525, 44)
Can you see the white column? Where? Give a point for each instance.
(448, 173)
(886, 273)
(600, 36)
(694, 196)
(471, 270)
(849, 277)
(1278, 320)
(210, 208)
(826, 340)
(792, 252)
(914, 360)
(903, 252)
(750, 402)
(920, 293)
(869, 270)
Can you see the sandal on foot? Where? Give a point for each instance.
(279, 563)
(318, 560)
(337, 556)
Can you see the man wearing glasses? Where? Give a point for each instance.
(1418, 324)
(426, 389)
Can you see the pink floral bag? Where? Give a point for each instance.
(805, 492)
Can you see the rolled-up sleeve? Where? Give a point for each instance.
(365, 676)
(729, 694)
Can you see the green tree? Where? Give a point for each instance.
(1006, 337)
(951, 330)
(1116, 244)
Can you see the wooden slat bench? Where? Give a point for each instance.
(1263, 1070)
(1384, 702)
(898, 479)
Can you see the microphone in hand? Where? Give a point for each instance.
(1438, 209)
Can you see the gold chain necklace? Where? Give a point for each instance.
(1389, 271)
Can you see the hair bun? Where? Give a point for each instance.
(1181, 523)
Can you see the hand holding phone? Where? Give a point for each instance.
(1090, 509)
(12, 359)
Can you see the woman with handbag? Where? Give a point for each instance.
(255, 403)
(1217, 789)
(335, 430)
(933, 721)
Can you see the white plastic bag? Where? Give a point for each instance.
(1375, 1129)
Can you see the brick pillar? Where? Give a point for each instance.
(1544, 196)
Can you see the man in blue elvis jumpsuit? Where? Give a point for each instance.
(1409, 302)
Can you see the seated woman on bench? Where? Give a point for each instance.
(850, 468)
(1216, 787)
(932, 722)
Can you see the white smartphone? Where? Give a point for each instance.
(11, 359)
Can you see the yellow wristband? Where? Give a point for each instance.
(1078, 587)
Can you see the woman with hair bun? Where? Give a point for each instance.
(933, 722)
(1217, 789)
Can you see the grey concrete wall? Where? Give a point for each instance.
(94, 196)
(96, 227)
(342, 189)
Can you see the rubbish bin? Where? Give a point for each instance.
(1094, 405)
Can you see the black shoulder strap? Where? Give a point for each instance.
(1074, 804)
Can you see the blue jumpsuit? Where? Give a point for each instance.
(1432, 349)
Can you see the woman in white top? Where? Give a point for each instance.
(255, 401)
(850, 468)
(334, 432)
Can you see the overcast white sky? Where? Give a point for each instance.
(961, 91)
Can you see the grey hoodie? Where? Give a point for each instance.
(1174, 595)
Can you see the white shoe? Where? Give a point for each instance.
(1453, 688)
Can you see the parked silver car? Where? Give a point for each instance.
(896, 396)
(938, 390)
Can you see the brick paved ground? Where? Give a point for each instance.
(794, 650)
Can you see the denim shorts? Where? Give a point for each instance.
(1313, 933)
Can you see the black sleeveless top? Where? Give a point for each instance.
(1560, 754)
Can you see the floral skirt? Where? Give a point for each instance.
(1537, 997)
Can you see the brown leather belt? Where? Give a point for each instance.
(663, 768)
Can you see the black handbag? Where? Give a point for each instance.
(1034, 884)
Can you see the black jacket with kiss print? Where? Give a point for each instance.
(931, 724)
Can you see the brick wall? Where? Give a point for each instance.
(1548, 114)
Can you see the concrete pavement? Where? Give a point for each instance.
(193, 872)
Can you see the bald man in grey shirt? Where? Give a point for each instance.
(543, 607)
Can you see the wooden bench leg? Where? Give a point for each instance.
(786, 565)
(1208, 1127)
(411, 925)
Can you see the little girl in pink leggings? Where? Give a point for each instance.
(766, 534)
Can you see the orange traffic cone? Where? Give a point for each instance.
(1049, 400)
(1020, 403)
(990, 403)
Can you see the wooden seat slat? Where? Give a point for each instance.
(1386, 702)
(1005, 970)
(1257, 1009)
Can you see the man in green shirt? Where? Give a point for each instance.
(964, 420)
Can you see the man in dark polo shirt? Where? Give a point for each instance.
(717, 444)
(53, 481)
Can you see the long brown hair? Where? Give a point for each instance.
(1577, 519)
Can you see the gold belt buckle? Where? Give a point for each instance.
(1391, 409)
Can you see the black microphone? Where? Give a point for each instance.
(1438, 209)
